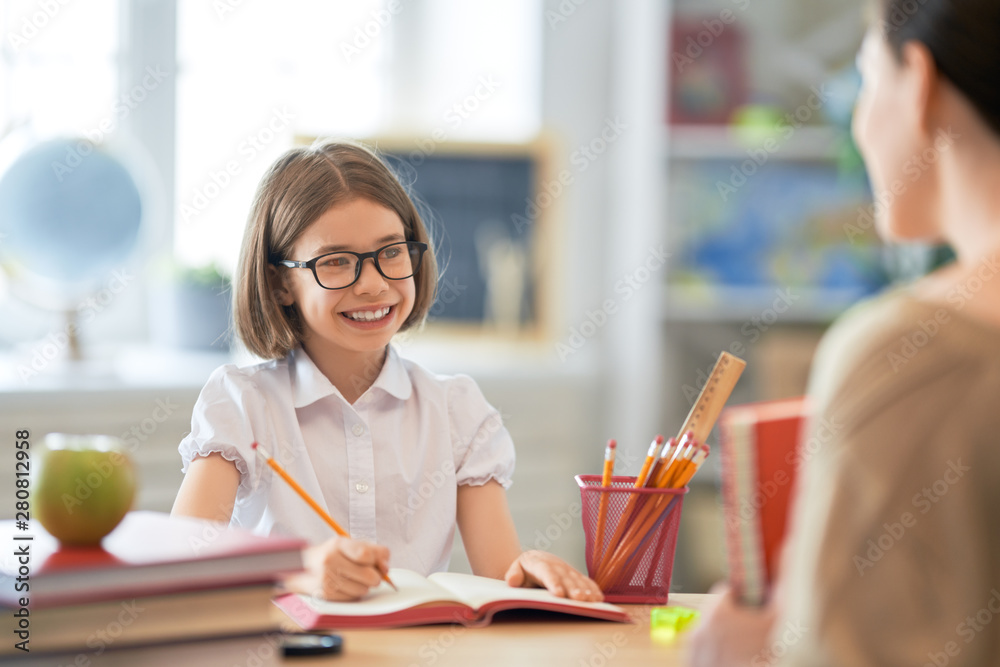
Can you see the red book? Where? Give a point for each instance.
(759, 457)
(706, 71)
(148, 553)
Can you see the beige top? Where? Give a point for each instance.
(894, 551)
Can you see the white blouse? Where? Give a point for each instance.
(386, 468)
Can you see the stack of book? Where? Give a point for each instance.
(155, 578)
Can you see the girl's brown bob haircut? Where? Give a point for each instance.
(298, 188)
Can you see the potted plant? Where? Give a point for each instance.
(190, 308)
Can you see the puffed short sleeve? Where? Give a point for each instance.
(482, 446)
(222, 422)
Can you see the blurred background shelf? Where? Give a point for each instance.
(761, 182)
(714, 142)
(726, 304)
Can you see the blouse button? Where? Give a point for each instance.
(361, 487)
(358, 429)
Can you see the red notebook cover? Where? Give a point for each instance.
(759, 457)
(148, 553)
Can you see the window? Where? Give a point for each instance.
(250, 78)
(58, 68)
(58, 77)
(253, 79)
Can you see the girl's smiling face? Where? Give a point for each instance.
(349, 320)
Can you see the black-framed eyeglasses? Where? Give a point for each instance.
(338, 270)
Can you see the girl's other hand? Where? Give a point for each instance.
(538, 568)
(341, 569)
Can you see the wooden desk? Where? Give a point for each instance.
(522, 643)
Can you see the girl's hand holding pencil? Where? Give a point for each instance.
(340, 568)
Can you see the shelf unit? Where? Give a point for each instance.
(720, 142)
(742, 304)
(788, 47)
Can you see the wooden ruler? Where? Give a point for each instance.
(713, 396)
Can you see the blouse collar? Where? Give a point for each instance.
(310, 385)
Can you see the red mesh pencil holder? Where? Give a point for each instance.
(635, 556)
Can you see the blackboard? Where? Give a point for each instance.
(479, 206)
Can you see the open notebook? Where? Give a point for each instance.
(444, 597)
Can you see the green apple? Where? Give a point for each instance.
(83, 487)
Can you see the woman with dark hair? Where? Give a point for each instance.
(894, 552)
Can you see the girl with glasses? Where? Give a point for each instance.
(334, 262)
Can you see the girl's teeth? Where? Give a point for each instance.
(369, 315)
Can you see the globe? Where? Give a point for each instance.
(70, 213)
(70, 217)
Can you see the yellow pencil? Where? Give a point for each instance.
(654, 449)
(602, 511)
(686, 448)
(306, 497)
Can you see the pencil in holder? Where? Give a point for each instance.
(633, 557)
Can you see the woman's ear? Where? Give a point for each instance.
(922, 83)
(278, 281)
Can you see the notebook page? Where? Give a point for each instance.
(478, 591)
(414, 590)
